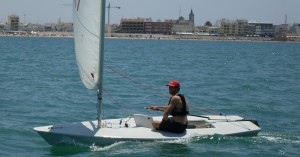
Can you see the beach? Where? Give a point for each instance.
(155, 36)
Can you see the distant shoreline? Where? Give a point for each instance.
(157, 37)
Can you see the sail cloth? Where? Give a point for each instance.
(87, 29)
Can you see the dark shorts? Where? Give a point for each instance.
(172, 126)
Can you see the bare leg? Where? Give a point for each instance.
(156, 124)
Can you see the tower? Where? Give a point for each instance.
(192, 18)
(285, 19)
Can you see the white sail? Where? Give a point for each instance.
(87, 35)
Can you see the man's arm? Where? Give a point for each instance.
(158, 108)
(174, 101)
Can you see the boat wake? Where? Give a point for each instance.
(124, 147)
(182, 145)
(283, 138)
(105, 148)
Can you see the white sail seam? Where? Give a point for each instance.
(86, 28)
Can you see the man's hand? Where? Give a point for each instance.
(154, 108)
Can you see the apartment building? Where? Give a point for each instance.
(245, 28)
(13, 21)
(132, 26)
(234, 28)
(263, 29)
(158, 28)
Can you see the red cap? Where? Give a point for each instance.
(173, 83)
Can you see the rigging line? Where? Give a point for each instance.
(117, 102)
(156, 91)
(136, 82)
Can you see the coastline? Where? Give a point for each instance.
(157, 37)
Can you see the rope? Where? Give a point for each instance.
(118, 102)
(136, 82)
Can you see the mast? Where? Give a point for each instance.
(101, 60)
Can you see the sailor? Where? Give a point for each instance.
(177, 107)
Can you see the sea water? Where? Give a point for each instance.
(40, 85)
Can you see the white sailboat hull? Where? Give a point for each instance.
(115, 130)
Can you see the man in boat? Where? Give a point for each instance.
(177, 107)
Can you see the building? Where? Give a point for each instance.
(242, 28)
(144, 26)
(132, 26)
(207, 30)
(49, 27)
(245, 28)
(2, 27)
(181, 26)
(263, 29)
(235, 28)
(141, 25)
(13, 21)
(228, 28)
(158, 28)
(58, 27)
(295, 29)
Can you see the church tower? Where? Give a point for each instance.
(192, 18)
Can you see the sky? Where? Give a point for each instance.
(50, 11)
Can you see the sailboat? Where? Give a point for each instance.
(89, 20)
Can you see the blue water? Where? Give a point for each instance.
(40, 85)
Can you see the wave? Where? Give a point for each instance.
(283, 138)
